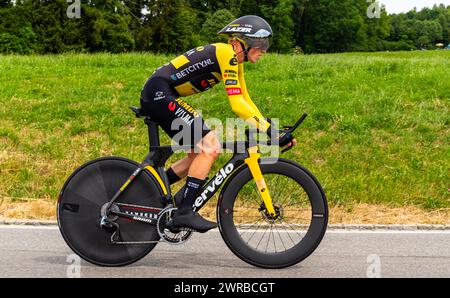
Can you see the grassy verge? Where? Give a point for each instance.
(378, 132)
(359, 213)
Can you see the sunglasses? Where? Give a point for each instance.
(259, 43)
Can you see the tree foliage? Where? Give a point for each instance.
(173, 26)
(421, 29)
(214, 23)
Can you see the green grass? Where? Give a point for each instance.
(378, 130)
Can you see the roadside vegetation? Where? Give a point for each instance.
(378, 133)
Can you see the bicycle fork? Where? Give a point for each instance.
(253, 165)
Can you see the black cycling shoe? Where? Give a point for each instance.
(192, 220)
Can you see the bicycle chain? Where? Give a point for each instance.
(164, 236)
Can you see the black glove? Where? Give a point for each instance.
(285, 138)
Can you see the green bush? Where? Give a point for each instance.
(214, 23)
(23, 43)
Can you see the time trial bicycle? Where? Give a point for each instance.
(271, 213)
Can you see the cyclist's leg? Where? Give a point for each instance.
(161, 103)
(186, 126)
(209, 149)
(180, 168)
(198, 164)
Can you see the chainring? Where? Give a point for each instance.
(171, 237)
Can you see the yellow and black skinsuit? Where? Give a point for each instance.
(196, 71)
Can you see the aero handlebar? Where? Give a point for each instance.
(286, 129)
(291, 129)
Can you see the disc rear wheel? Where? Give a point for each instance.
(84, 194)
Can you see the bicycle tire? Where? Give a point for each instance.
(79, 211)
(298, 252)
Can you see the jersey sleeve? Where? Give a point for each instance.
(233, 78)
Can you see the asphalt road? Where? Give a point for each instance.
(41, 252)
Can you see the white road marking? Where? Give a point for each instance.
(388, 232)
(28, 227)
(25, 227)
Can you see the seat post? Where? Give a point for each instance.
(153, 133)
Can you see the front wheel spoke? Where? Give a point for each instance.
(249, 228)
(297, 218)
(295, 204)
(289, 235)
(261, 238)
(273, 238)
(269, 182)
(257, 194)
(282, 242)
(246, 216)
(301, 237)
(254, 232)
(290, 202)
(297, 210)
(245, 208)
(293, 208)
(268, 241)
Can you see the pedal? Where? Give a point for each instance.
(178, 230)
(171, 228)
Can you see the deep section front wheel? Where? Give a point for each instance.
(80, 202)
(282, 240)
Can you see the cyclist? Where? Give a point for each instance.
(196, 71)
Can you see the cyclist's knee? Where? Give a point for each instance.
(210, 145)
(192, 154)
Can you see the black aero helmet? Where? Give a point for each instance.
(251, 30)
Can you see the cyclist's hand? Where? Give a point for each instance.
(292, 144)
(286, 139)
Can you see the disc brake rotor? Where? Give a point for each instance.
(271, 218)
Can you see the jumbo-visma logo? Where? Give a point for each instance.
(172, 106)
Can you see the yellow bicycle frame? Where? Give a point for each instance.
(253, 165)
(154, 173)
(158, 178)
